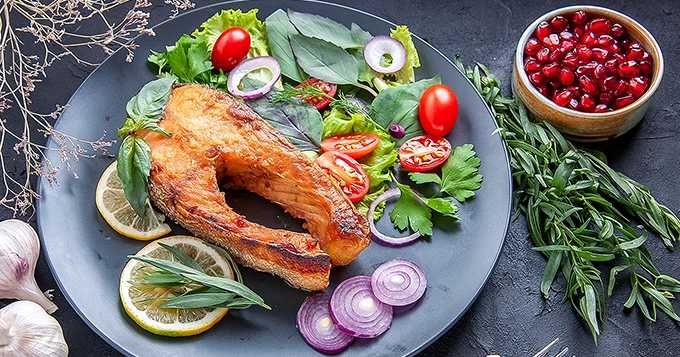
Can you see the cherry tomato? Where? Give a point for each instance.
(354, 145)
(424, 153)
(347, 172)
(438, 110)
(320, 102)
(230, 48)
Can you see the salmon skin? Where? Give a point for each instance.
(217, 141)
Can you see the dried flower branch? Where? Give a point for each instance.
(50, 30)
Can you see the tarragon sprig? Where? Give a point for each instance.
(309, 91)
(197, 287)
(144, 111)
(579, 213)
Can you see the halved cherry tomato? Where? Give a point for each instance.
(355, 145)
(319, 102)
(424, 153)
(347, 172)
(438, 110)
(230, 48)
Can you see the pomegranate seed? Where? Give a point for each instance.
(587, 85)
(555, 56)
(551, 41)
(621, 102)
(605, 41)
(601, 108)
(574, 104)
(558, 23)
(588, 39)
(578, 32)
(645, 67)
(536, 78)
(635, 54)
(609, 84)
(584, 53)
(633, 44)
(550, 70)
(619, 58)
(599, 26)
(562, 98)
(615, 47)
(566, 76)
(532, 46)
(542, 30)
(605, 98)
(628, 69)
(611, 66)
(566, 45)
(531, 65)
(617, 30)
(599, 72)
(621, 87)
(575, 90)
(636, 87)
(542, 88)
(579, 17)
(646, 57)
(587, 103)
(566, 35)
(543, 55)
(600, 55)
(570, 60)
(554, 85)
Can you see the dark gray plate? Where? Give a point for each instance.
(86, 256)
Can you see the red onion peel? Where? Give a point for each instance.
(316, 326)
(247, 66)
(383, 238)
(356, 311)
(398, 282)
(380, 46)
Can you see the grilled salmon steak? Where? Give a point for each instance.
(217, 141)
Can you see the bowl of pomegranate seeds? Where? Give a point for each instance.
(589, 71)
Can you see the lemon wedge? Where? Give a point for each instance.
(118, 213)
(142, 302)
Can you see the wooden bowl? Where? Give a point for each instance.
(584, 126)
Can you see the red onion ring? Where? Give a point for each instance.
(382, 238)
(317, 328)
(380, 46)
(244, 68)
(398, 282)
(356, 311)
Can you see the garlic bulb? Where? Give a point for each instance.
(19, 250)
(26, 330)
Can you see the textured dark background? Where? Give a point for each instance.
(510, 317)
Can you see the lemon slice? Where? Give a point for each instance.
(118, 212)
(141, 302)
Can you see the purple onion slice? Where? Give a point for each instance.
(383, 238)
(316, 326)
(252, 64)
(356, 311)
(398, 282)
(382, 46)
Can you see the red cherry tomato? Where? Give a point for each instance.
(320, 102)
(347, 172)
(355, 145)
(424, 153)
(230, 48)
(438, 110)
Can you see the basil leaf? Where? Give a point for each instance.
(134, 164)
(324, 60)
(149, 103)
(325, 29)
(399, 105)
(279, 29)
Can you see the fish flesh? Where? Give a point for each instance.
(217, 142)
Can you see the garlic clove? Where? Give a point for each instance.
(27, 330)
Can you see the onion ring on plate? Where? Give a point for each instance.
(382, 45)
(383, 238)
(356, 311)
(398, 282)
(247, 66)
(314, 323)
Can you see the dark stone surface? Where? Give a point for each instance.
(510, 317)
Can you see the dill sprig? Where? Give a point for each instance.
(579, 213)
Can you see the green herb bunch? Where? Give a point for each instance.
(579, 213)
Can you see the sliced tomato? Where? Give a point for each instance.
(347, 172)
(230, 49)
(320, 102)
(355, 145)
(424, 153)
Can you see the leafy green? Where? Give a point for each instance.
(399, 105)
(325, 29)
(279, 30)
(579, 213)
(406, 74)
(188, 59)
(213, 27)
(134, 160)
(323, 60)
(411, 212)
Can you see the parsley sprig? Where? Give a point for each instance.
(579, 213)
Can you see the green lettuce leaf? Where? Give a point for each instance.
(406, 74)
(213, 27)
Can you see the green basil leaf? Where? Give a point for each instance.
(325, 29)
(149, 103)
(399, 105)
(279, 30)
(134, 164)
(324, 60)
